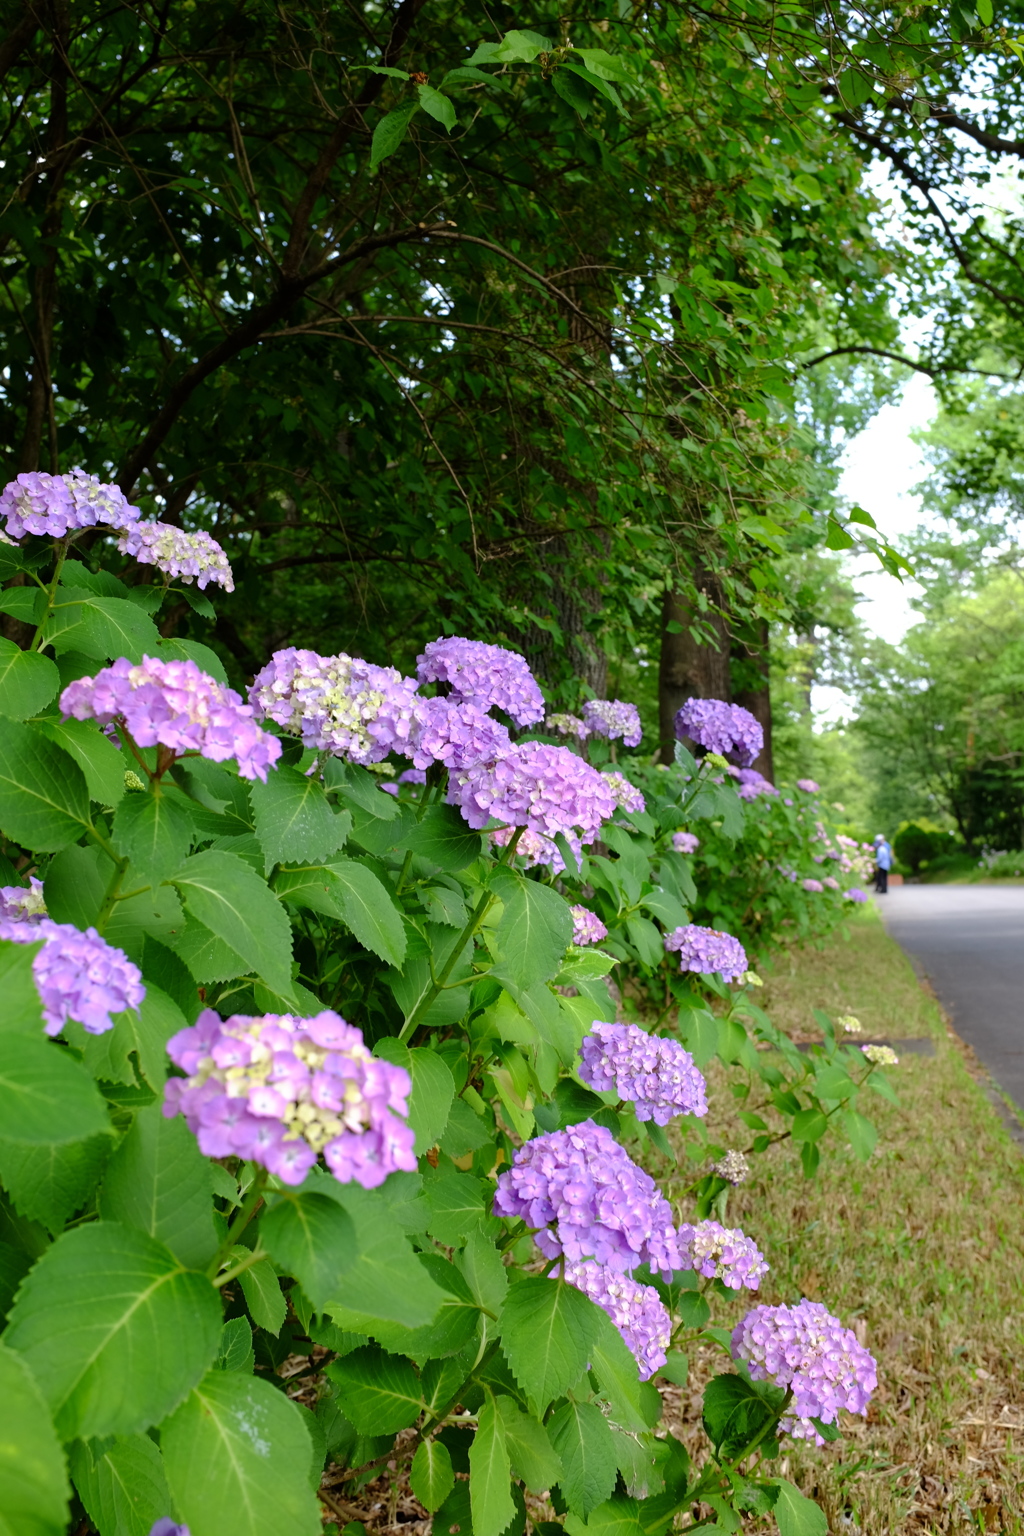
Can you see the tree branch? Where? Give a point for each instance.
(18, 38)
(933, 370)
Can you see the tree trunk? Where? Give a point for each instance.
(690, 668)
(756, 696)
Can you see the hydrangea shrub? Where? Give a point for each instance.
(304, 1082)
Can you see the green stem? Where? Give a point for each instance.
(51, 594)
(245, 1214)
(240, 1268)
(111, 895)
(436, 987)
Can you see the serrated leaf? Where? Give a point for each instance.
(262, 1291)
(795, 1514)
(236, 1352)
(46, 1097)
(379, 1392)
(457, 1206)
(386, 1282)
(141, 1032)
(121, 1483)
(44, 803)
(615, 1369)
(101, 627)
(584, 1444)
(433, 1089)
(101, 762)
(533, 934)
(861, 1133)
(443, 838)
(547, 1330)
(390, 131)
(22, 1012)
(734, 1414)
(34, 1489)
(294, 819)
(237, 1456)
(100, 1300)
(431, 1476)
(49, 1184)
(618, 1516)
(313, 1238)
(28, 681)
(490, 1498)
(227, 897)
(437, 106)
(369, 910)
(158, 1182)
(529, 1447)
(154, 832)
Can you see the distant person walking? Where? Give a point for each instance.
(883, 864)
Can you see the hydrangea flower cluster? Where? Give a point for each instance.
(627, 796)
(855, 894)
(57, 505)
(78, 975)
(281, 1090)
(806, 1348)
(881, 1055)
(830, 883)
(685, 842)
(485, 675)
(812, 885)
(852, 1025)
(567, 725)
(656, 1075)
(174, 705)
(186, 556)
(587, 927)
(613, 719)
(587, 1199)
(751, 784)
(808, 786)
(708, 950)
(338, 704)
(723, 728)
(23, 903)
(637, 1311)
(722, 1253)
(543, 788)
(455, 734)
(733, 1167)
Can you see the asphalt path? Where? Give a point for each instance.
(969, 941)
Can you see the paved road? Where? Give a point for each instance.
(969, 942)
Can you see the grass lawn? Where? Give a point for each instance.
(921, 1250)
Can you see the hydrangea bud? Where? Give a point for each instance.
(852, 1026)
(656, 1075)
(733, 1167)
(881, 1055)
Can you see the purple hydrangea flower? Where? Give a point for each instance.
(456, 734)
(721, 1253)
(830, 883)
(719, 727)
(187, 556)
(78, 975)
(708, 950)
(752, 784)
(587, 928)
(856, 895)
(626, 795)
(567, 725)
(655, 1074)
(485, 675)
(806, 1348)
(545, 789)
(57, 505)
(412, 776)
(637, 1311)
(808, 786)
(23, 903)
(338, 704)
(281, 1090)
(685, 842)
(812, 885)
(586, 1199)
(532, 848)
(614, 719)
(173, 704)
(168, 1527)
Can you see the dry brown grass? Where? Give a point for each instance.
(921, 1250)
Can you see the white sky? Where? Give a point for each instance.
(878, 469)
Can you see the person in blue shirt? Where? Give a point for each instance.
(883, 864)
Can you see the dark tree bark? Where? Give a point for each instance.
(755, 696)
(689, 668)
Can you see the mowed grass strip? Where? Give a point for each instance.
(920, 1250)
